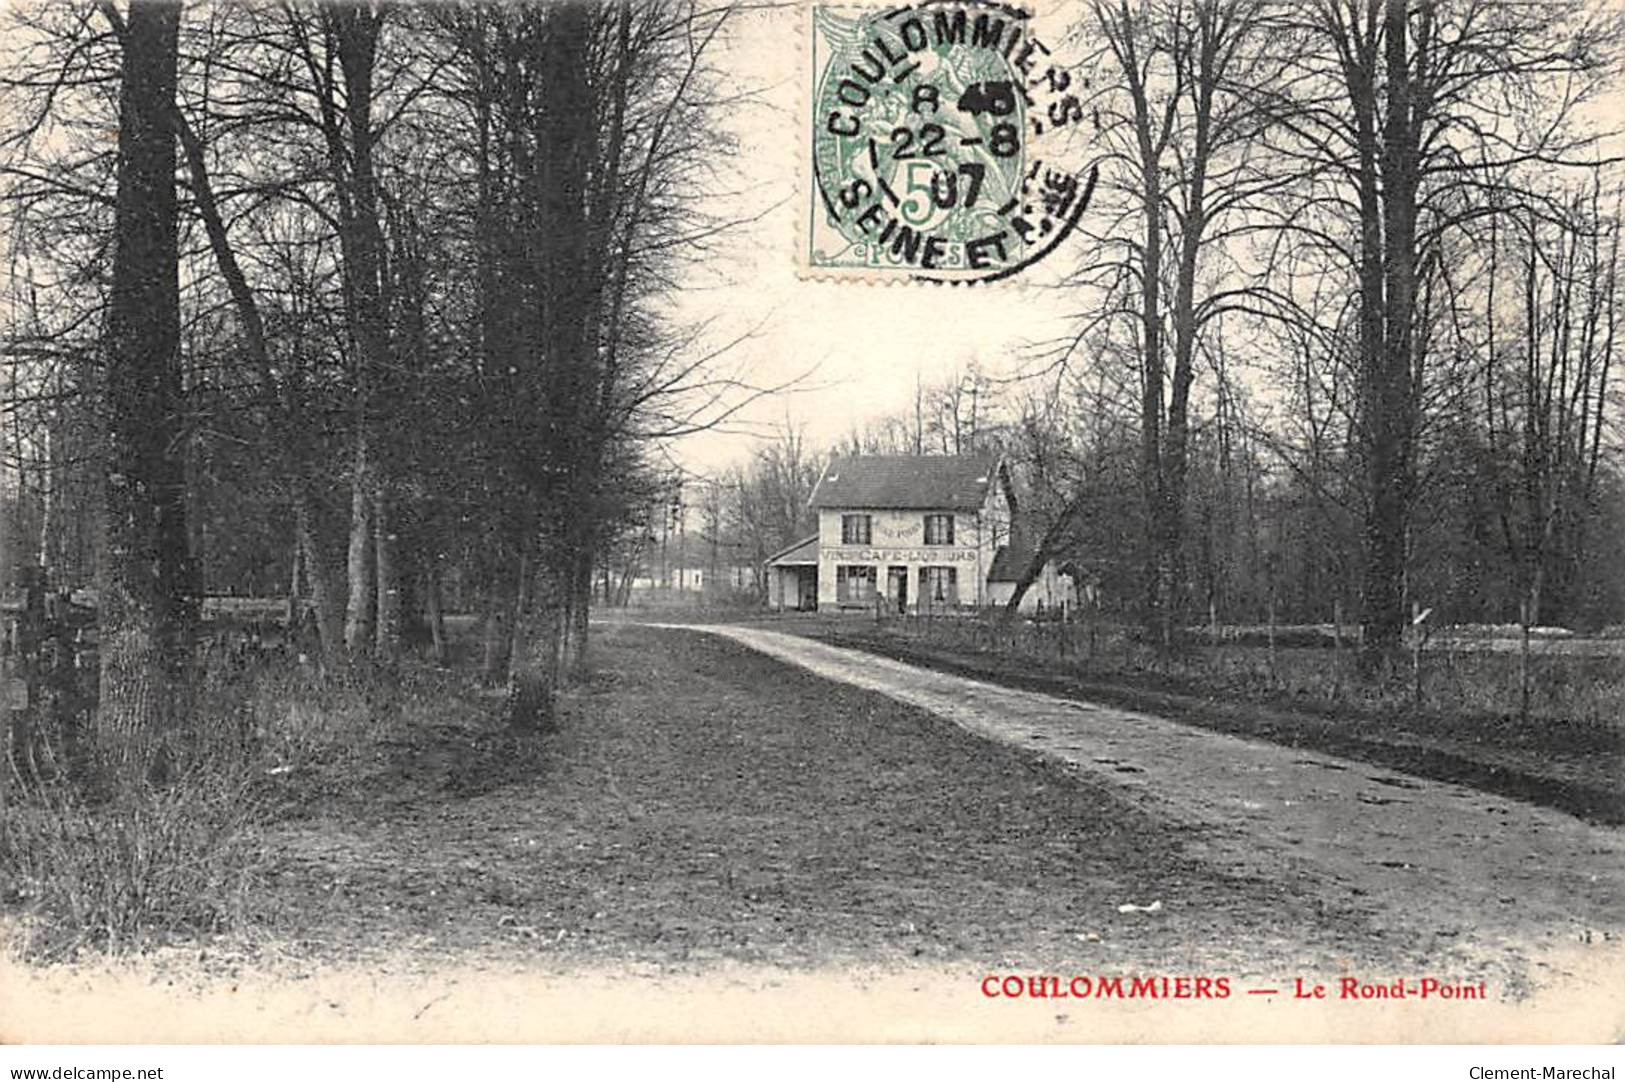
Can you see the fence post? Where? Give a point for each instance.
(1273, 669)
(1215, 660)
(1093, 620)
(1416, 651)
(1523, 661)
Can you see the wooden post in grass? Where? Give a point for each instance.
(1523, 661)
(1417, 616)
(1337, 647)
(1093, 619)
(293, 588)
(1272, 637)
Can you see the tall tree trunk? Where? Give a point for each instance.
(1151, 379)
(385, 547)
(324, 593)
(1127, 37)
(1171, 507)
(1375, 444)
(356, 29)
(533, 658)
(568, 289)
(1390, 398)
(575, 652)
(147, 608)
(1193, 226)
(359, 609)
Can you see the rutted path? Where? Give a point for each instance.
(1465, 871)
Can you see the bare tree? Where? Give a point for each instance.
(1178, 114)
(146, 592)
(767, 499)
(1400, 109)
(1546, 390)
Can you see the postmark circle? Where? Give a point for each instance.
(943, 142)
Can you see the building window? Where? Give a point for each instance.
(854, 585)
(854, 529)
(939, 529)
(939, 586)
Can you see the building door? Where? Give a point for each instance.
(897, 587)
(807, 579)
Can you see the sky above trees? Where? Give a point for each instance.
(856, 349)
(855, 352)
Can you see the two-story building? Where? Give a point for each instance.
(920, 532)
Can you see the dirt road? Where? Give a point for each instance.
(714, 845)
(1465, 873)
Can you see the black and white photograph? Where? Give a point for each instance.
(812, 522)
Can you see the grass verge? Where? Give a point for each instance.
(182, 859)
(1572, 761)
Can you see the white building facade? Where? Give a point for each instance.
(908, 533)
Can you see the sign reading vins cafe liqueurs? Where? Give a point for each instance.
(932, 555)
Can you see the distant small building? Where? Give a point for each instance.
(1048, 591)
(911, 532)
(698, 579)
(792, 576)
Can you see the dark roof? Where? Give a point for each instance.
(907, 482)
(1009, 562)
(802, 552)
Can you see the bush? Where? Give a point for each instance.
(87, 872)
(185, 858)
(133, 872)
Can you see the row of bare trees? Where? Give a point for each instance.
(362, 298)
(1338, 194)
(1350, 292)
(1350, 284)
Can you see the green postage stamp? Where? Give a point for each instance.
(946, 143)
